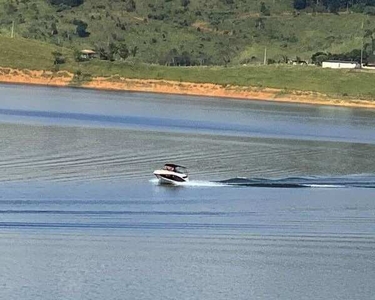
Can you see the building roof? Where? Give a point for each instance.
(88, 51)
(341, 61)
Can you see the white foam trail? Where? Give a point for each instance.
(154, 180)
(192, 183)
(198, 183)
(331, 186)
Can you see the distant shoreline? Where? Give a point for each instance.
(66, 79)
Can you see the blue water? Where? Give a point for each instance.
(280, 204)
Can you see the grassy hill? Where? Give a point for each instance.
(213, 32)
(28, 54)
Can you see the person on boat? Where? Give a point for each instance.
(169, 168)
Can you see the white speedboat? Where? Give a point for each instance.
(172, 174)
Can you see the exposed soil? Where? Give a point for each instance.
(64, 78)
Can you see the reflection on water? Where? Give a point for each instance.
(82, 218)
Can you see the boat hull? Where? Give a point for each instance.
(167, 177)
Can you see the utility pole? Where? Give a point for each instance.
(12, 31)
(265, 56)
(362, 46)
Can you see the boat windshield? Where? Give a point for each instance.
(181, 170)
(177, 169)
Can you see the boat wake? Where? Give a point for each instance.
(358, 181)
(353, 181)
(191, 183)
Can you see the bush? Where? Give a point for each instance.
(58, 58)
(264, 9)
(68, 3)
(299, 4)
(130, 6)
(369, 10)
(319, 57)
(185, 3)
(81, 28)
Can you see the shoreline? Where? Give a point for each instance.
(116, 83)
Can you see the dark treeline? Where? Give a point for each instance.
(334, 5)
(67, 3)
(354, 55)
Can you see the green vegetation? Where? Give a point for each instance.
(216, 38)
(334, 6)
(30, 54)
(26, 54)
(332, 82)
(194, 32)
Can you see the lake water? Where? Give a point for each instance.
(281, 202)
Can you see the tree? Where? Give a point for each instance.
(185, 59)
(130, 6)
(259, 23)
(68, 3)
(102, 51)
(185, 3)
(171, 57)
(81, 28)
(334, 6)
(225, 54)
(78, 56)
(112, 51)
(318, 57)
(264, 9)
(284, 59)
(10, 8)
(123, 51)
(299, 4)
(58, 58)
(54, 29)
(203, 58)
(134, 51)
